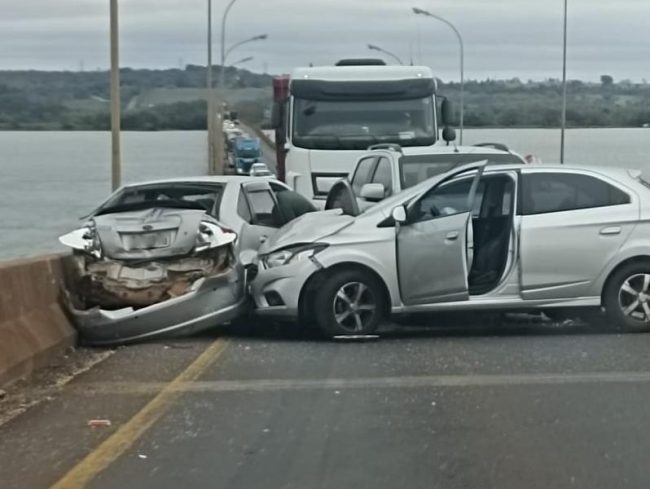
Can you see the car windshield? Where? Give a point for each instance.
(349, 124)
(183, 196)
(415, 169)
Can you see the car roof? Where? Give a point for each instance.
(435, 150)
(223, 179)
(362, 72)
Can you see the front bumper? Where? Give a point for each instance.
(219, 299)
(276, 291)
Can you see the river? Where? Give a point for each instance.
(48, 180)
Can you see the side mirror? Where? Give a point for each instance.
(276, 115)
(373, 192)
(446, 112)
(399, 214)
(448, 134)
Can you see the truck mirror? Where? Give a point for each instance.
(446, 112)
(276, 115)
(448, 134)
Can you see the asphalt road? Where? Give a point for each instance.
(478, 406)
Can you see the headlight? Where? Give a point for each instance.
(292, 255)
(83, 239)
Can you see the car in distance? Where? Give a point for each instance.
(504, 237)
(261, 170)
(162, 258)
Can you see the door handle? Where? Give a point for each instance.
(263, 238)
(611, 230)
(452, 235)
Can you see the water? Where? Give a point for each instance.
(48, 180)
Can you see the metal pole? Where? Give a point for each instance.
(116, 164)
(219, 150)
(462, 64)
(210, 95)
(562, 136)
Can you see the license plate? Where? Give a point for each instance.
(146, 241)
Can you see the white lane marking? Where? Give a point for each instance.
(470, 380)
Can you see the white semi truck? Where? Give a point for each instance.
(326, 117)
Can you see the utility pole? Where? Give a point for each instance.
(210, 95)
(563, 87)
(116, 164)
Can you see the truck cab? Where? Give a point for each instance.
(246, 151)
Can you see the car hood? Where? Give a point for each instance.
(149, 233)
(307, 228)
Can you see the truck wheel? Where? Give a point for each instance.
(627, 298)
(351, 302)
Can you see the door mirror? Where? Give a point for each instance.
(399, 214)
(448, 134)
(373, 192)
(446, 112)
(276, 115)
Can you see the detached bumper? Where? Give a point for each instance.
(276, 291)
(218, 300)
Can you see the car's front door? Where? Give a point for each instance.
(432, 244)
(572, 226)
(258, 206)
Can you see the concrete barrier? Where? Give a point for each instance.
(34, 328)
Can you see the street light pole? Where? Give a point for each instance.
(260, 37)
(116, 164)
(218, 146)
(386, 52)
(563, 86)
(210, 95)
(420, 11)
(241, 61)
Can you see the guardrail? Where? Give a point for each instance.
(34, 328)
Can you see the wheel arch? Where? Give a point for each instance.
(308, 291)
(617, 267)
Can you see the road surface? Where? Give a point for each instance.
(470, 406)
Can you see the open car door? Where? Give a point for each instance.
(432, 245)
(264, 217)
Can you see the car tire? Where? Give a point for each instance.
(627, 298)
(350, 302)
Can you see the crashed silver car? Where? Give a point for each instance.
(161, 258)
(501, 237)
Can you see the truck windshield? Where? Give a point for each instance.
(350, 124)
(248, 153)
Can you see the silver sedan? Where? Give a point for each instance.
(504, 237)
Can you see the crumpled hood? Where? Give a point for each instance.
(307, 228)
(149, 233)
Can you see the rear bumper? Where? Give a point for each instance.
(218, 300)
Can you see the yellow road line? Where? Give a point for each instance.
(120, 441)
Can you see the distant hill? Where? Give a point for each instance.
(175, 99)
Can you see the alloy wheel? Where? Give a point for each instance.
(354, 306)
(634, 297)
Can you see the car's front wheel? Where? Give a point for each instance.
(350, 302)
(627, 298)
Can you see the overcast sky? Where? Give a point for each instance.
(503, 38)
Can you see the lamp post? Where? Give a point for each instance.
(241, 61)
(116, 164)
(419, 11)
(563, 128)
(260, 37)
(210, 95)
(373, 47)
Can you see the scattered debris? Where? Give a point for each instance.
(266, 430)
(99, 423)
(433, 403)
(142, 456)
(357, 337)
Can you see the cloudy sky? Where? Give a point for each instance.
(503, 38)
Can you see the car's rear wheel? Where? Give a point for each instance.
(350, 302)
(627, 298)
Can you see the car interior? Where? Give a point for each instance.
(492, 226)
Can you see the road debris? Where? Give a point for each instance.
(357, 337)
(99, 423)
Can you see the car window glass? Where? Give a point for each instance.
(242, 208)
(362, 174)
(263, 208)
(446, 200)
(384, 175)
(556, 192)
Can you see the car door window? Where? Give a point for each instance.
(263, 208)
(362, 174)
(384, 176)
(557, 192)
(446, 200)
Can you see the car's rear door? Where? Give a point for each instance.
(571, 226)
(258, 206)
(432, 245)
